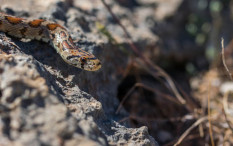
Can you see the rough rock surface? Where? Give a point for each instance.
(44, 101)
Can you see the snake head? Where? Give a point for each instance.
(87, 62)
(90, 63)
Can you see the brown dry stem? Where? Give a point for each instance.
(225, 98)
(199, 121)
(223, 60)
(209, 119)
(225, 109)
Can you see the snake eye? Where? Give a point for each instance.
(83, 59)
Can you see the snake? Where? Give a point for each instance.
(54, 34)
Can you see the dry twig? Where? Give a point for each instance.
(225, 109)
(225, 98)
(209, 118)
(199, 121)
(223, 60)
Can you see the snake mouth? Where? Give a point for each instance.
(93, 65)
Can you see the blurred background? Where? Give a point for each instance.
(183, 37)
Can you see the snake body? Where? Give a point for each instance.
(49, 32)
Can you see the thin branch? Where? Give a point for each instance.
(190, 129)
(157, 120)
(225, 109)
(209, 119)
(124, 98)
(225, 98)
(223, 60)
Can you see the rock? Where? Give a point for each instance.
(31, 113)
(45, 101)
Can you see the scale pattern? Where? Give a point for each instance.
(53, 33)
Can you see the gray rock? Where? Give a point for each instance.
(45, 101)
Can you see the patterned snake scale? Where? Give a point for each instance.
(55, 34)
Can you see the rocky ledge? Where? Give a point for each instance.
(45, 101)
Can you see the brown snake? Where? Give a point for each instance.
(55, 34)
